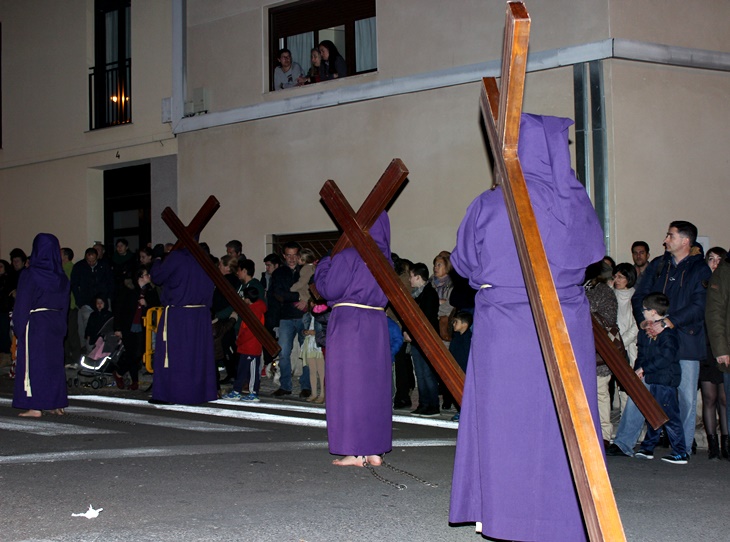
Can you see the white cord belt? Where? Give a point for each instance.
(359, 306)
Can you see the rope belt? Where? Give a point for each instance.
(164, 330)
(26, 381)
(359, 306)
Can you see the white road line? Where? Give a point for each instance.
(175, 451)
(210, 411)
(49, 429)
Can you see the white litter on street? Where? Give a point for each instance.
(90, 513)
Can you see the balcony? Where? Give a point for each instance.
(110, 93)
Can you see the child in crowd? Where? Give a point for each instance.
(313, 355)
(658, 365)
(248, 377)
(97, 319)
(460, 344)
(301, 286)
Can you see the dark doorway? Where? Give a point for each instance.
(127, 207)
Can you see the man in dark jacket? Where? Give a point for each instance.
(90, 277)
(288, 318)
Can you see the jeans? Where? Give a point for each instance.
(629, 428)
(688, 398)
(288, 331)
(428, 386)
(667, 399)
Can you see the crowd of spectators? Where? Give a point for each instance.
(326, 64)
(292, 310)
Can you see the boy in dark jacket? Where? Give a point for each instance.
(461, 344)
(658, 365)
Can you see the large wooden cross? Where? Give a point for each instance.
(186, 238)
(502, 112)
(355, 227)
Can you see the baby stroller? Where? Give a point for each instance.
(96, 367)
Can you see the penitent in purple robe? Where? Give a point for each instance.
(357, 361)
(187, 294)
(511, 471)
(41, 308)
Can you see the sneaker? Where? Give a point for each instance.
(251, 398)
(644, 454)
(234, 395)
(430, 412)
(615, 450)
(677, 459)
(455, 417)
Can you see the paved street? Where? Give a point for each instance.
(230, 471)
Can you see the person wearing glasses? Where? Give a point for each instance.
(287, 72)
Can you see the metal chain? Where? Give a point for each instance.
(399, 487)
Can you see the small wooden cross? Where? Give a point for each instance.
(186, 237)
(355, 231)
(502, 114)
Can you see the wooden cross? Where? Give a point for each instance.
(186, 238)
(355, 229)
(502, 114)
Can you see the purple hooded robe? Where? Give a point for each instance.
(187, 294)
(511, 470)
(357, 360)
(41, 306)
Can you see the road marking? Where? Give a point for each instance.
(173, 451)
(231, 413)
(49, 429)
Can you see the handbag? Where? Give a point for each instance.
(614, 335)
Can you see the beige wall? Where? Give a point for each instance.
(50, 164)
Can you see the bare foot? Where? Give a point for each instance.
(350, 461)
(31, 414)
(374, 460)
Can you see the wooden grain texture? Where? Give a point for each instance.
(243, 310)
(201, 219)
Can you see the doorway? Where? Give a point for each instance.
(127, 207)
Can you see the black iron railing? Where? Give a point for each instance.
(110, 95)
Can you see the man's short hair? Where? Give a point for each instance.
(18, 253)
(686, 229)
(282, 51)
(465, 316)
(420, 269)
(273, 259)
(235, 245)
(657, 301)
(640, 244)
(627, 270)
(68, 253)
(89, 251)
(248, 265)
(123, 241)
(291, 244)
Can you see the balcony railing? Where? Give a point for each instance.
(110, 95)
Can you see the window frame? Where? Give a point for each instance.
(312, 16)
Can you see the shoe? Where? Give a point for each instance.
(418, 411)
(319, 400)
(280, 392)
(119, 380)
(399, 404)
(644, 454)
(713, 447)
(234, 395)
(677, 459)
(430, 412)
(311, 399)
(305, 393)
(614, 450)
(455, 417)
(724, 446)
(251, 398)
(134, 386)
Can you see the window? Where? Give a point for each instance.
(300, 26)
(110, 79)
